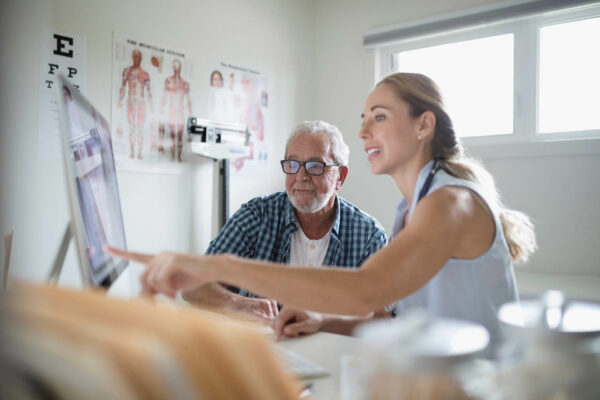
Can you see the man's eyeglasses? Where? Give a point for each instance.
(314, 168)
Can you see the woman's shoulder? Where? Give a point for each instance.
(455, 186)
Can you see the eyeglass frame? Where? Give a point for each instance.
(303, 164)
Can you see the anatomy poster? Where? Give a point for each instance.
(240, 95)
(151, 102)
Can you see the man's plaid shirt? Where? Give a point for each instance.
(262, 229)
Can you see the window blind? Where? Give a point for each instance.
(501, 12)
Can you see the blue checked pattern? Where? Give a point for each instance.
(262, 229)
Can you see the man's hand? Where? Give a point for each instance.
(291, 322)
(264, 310)
(215, 297)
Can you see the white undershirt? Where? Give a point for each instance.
(307, 252)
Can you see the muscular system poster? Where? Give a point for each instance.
(151, 102)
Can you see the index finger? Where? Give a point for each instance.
(128, 255)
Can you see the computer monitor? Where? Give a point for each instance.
(92, 189)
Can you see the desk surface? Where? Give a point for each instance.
(325, 349)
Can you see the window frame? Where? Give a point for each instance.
(526, 35)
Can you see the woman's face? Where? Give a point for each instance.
(216, 80)
(388, 130)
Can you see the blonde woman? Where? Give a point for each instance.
(454, 243)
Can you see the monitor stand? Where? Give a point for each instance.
(59, 261)
(60, 256)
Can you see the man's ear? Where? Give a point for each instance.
(426, 124)
(342, 177)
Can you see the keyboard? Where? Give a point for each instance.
(301, 366)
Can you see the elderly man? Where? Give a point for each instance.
(308, 225)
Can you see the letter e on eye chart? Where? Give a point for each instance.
(64, 53)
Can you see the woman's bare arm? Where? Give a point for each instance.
(409, 261)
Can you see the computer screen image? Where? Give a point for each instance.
(92, 188)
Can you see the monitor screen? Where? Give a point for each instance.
(92, 188)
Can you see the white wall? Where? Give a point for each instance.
(559, 191)
(161, 211)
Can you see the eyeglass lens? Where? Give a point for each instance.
(311, 167)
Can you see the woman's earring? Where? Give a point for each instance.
(419, 137)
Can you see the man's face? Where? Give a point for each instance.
(309, 193)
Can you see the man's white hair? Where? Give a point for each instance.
(339, 148)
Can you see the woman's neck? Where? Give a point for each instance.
(406, 177)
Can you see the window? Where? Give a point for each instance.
(532, 78)
(476, 78)
(569, 90)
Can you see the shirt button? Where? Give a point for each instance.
(312, 246)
